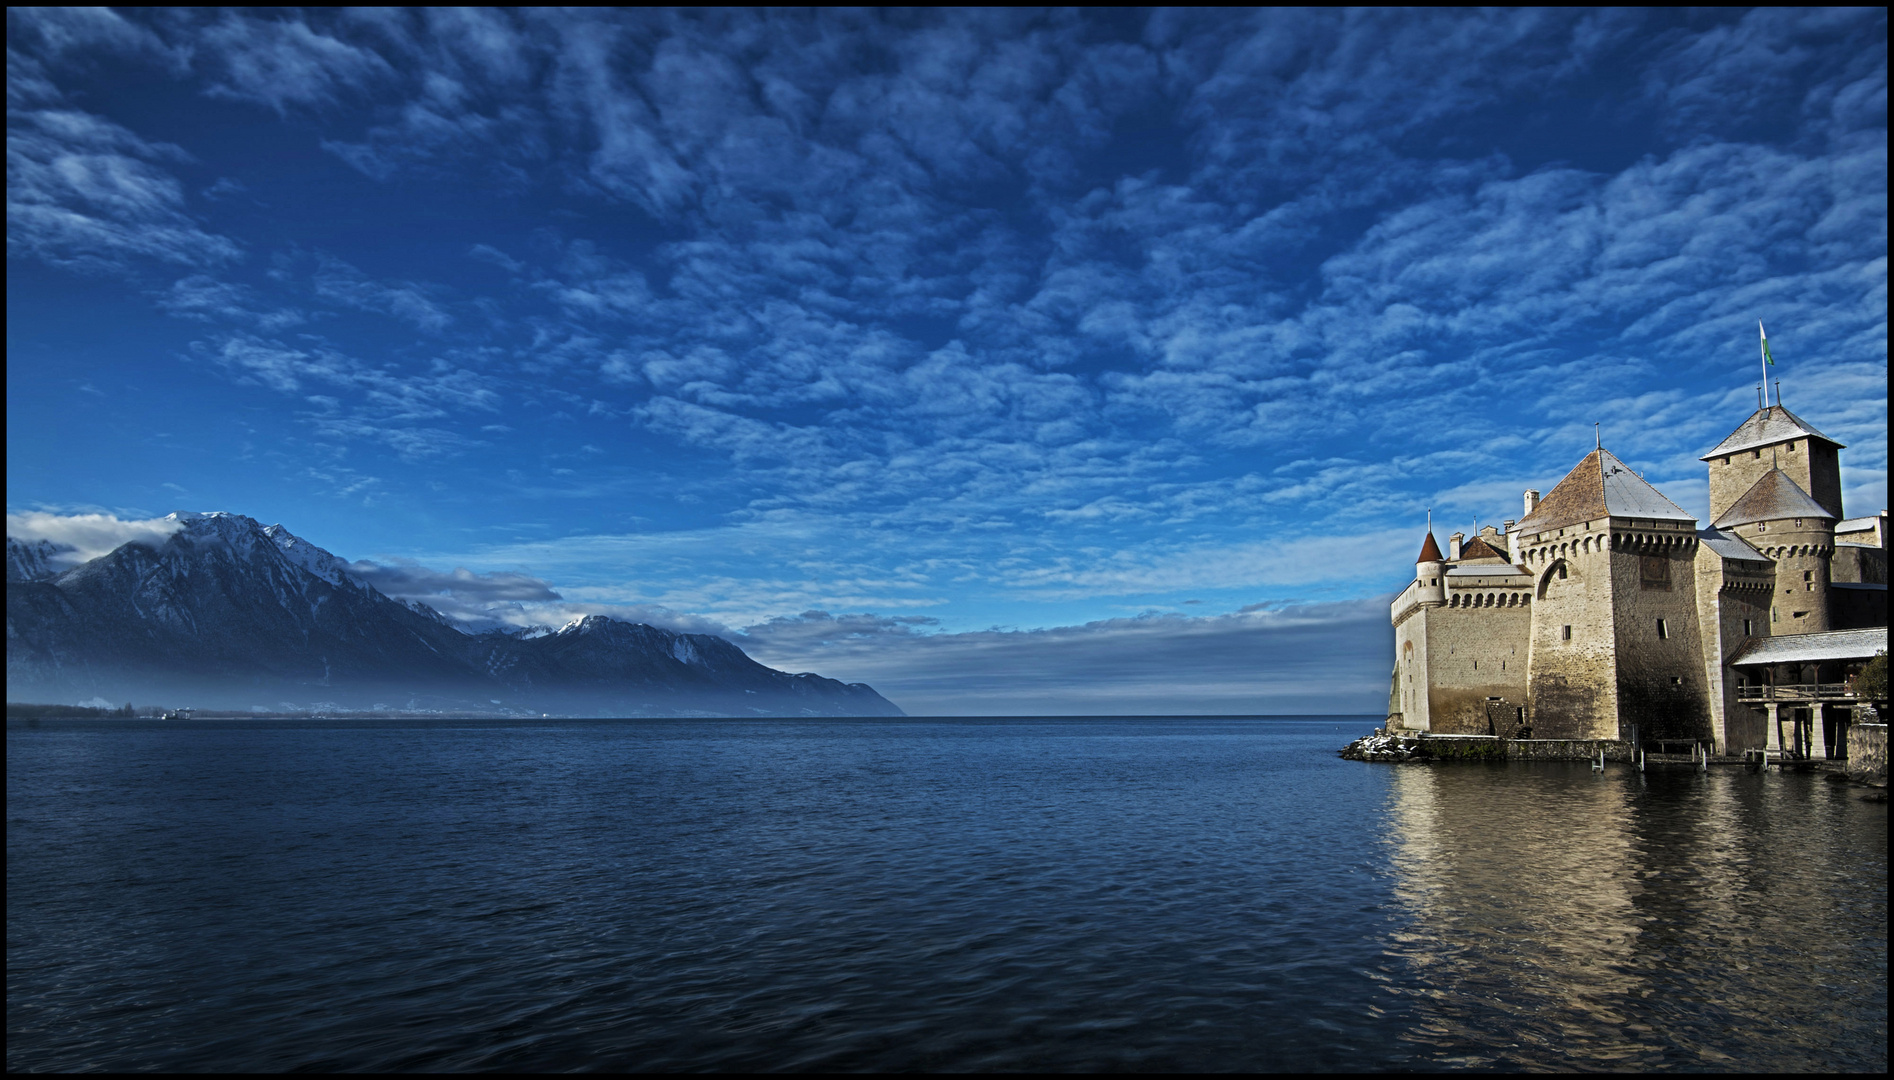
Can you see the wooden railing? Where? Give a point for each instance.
(1796, 692)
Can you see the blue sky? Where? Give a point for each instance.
(1010, 361)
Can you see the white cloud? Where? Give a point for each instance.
(282, 63)
(88, 535)
(86, 193)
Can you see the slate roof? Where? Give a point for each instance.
(1813, 648)
(1766, 427)
(1480, 549)
(1430, 551)
(1600, 486)
(1729, 545)
(1772, 498)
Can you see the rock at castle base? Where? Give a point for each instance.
(1379, 747)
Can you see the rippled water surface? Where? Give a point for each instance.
(1074, 894)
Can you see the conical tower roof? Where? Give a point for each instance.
(1430, 551)
(1600, 486)
(1774, 497)
(1767, 427)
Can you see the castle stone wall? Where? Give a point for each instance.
(1856, 563)
(1477, 653)
(1867, 753)
(1856, 607)
(1660, 675)
(1732, 609)
(1573, 683)
(1410, 668)
(1745, 727)
(1481, 748)
(1822, 468)
(1802, 572)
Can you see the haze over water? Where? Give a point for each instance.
(1089, 893)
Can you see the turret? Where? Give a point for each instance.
(1785, 523)
(1430, 574)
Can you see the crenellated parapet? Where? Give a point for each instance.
(1516, 598)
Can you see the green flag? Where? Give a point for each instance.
(1770, 360)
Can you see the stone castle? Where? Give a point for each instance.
(1606, 608)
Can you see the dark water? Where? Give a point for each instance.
(948, 895)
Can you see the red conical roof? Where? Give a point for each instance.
(1430, 551)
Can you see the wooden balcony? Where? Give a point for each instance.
(1802, 692)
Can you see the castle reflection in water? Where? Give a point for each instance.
(1643, 916)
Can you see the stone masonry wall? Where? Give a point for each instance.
(1410, 662)
(1475, 748)
(1475, 653)
(1745, 727)
(1567, 749)
(1660, 675)
(1822, 468)
(1854, 607)
(1802, 558)
(1858, 563)
(1732, 608)
(1867, 753)
(1573, 681)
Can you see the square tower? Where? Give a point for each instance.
(1775, 438)
(1615, 637)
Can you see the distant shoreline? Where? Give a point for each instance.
(24, 712)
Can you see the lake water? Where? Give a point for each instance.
(1073, 894)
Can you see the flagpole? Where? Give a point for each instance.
(1764, 358)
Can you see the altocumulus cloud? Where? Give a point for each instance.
(1034, 318)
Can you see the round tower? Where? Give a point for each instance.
(1802, 548)
(1430, 574)
(1783, 522)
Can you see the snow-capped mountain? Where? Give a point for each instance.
(34, 560)
(229, 613)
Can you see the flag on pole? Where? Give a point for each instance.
(1770, 360)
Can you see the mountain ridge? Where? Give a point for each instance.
(228, 613)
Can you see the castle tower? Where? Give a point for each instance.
(1430, 574)
(1780, 520)
(1408, 691)
(1775, 438)
(1614, 632)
